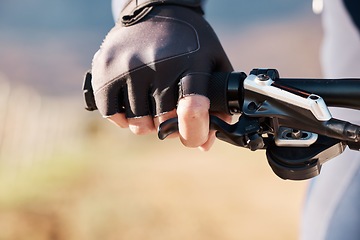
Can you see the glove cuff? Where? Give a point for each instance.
(135, 10)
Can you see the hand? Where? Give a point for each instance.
(139, 69)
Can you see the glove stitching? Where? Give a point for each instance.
(157, 61)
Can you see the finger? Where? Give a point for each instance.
(162, 118)
(211, 138)
(119, 119)
(193, 120)
(209, 143)
(142, 125)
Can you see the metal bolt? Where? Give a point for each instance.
(263, 77)
(296, 134)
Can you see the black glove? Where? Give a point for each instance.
(144, 68)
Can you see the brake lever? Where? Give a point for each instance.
(244, 133)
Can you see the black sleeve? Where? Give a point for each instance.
(353, 8)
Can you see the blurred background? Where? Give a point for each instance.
(68, 174)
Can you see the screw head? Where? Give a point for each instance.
(252, 106)
(263, 77)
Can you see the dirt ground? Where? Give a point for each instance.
(142, 188)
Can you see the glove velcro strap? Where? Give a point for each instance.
(135, 10)
(89, 92)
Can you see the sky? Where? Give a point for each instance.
(58, 15)
(50, 44)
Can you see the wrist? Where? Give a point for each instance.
(134, 11)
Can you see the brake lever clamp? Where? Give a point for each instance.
(296, 154)
(244, 133)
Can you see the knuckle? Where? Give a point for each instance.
(142, 128)
(194, 115)
(122, 126)
(193, 106)
(190, 145)
(193, 111)
(119, 120)
(194, 143)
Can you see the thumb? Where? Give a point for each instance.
(193, 110)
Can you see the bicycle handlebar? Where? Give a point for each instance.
(287, 117)
(293, 113)
(226, 90)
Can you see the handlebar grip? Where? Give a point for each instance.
(335, 92)
(225, 92)
(217, 92)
